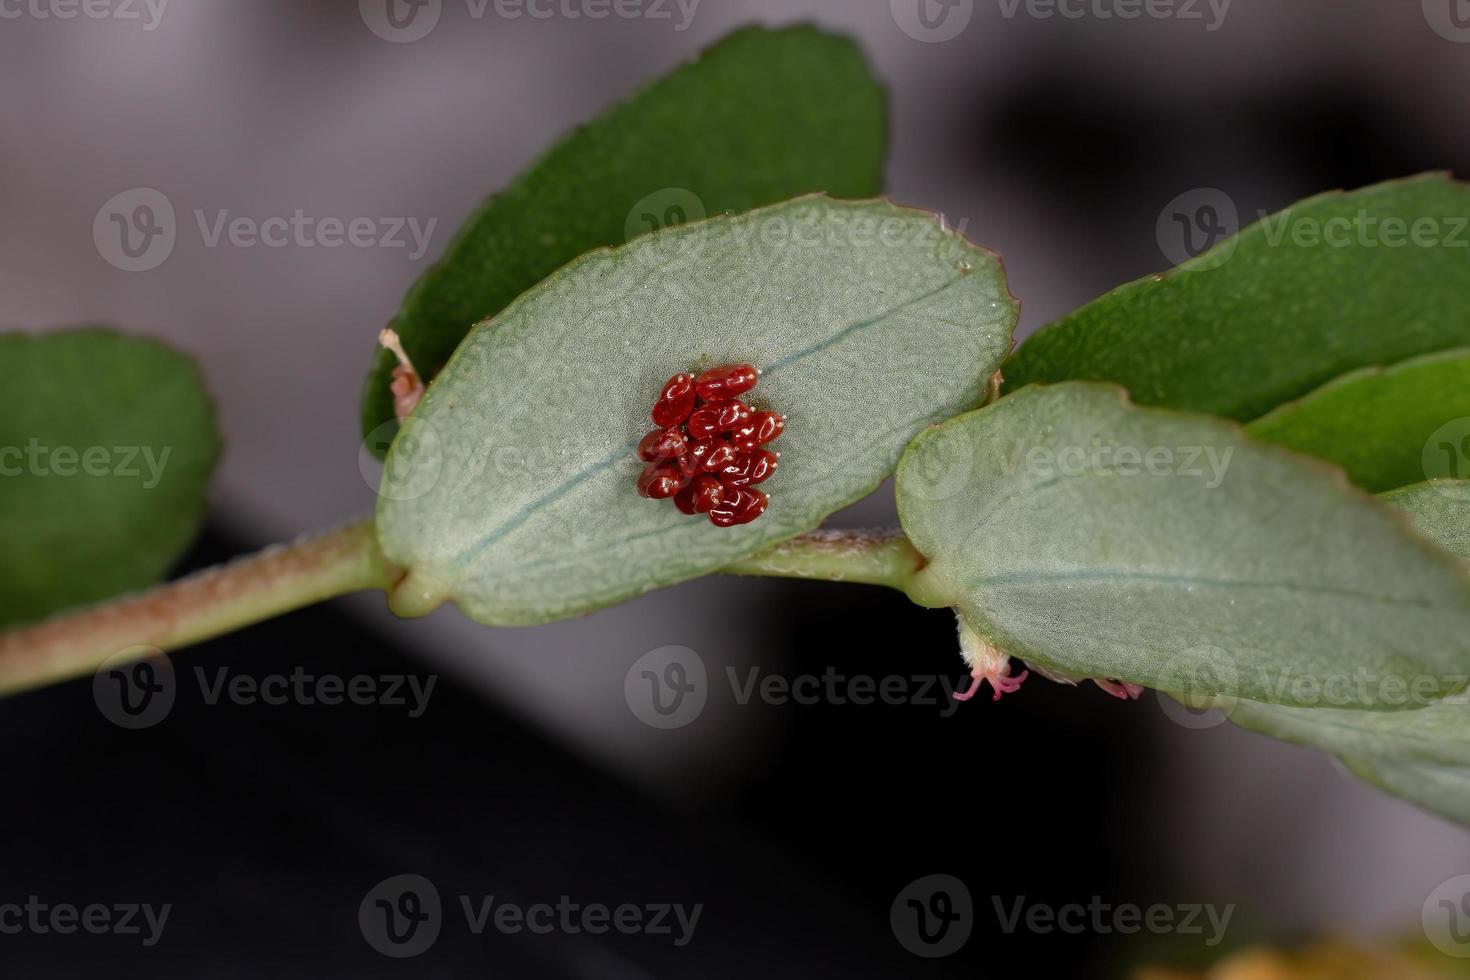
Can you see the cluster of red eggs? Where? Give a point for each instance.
(706, 452)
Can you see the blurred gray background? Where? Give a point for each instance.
(1057, 140)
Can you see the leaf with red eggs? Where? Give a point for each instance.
(516, 497)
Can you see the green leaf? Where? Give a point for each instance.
(1440, 789)
(511, 490)
(1422, 755)
(1335, 283)
(761, 117)
(1440, 510)
(106, 444)
(1089, 536)
(1438, 733)
(1388, 427)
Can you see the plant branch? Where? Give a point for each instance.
(287, 577)
(206, 604)
(871, 557)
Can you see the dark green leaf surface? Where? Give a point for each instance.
(761, 117)
(511, 490)
(106, 444)
(1084, 534)
(1336, 283)
(1388, 427)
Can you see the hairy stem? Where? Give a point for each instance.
(286, 577)
(872, 557)
(207, 604)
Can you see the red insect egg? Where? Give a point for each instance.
(713, 418)
(700, 495)
(719, 455)
(691, 464)
(761, 429)
(662, 444)
(740, 507)
(659, 481)
(706, 453)
(750, 468)
(726, 381)
(675, 402)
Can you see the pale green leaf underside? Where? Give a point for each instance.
(1388, 427)
(869, 322)
(1423, 755)
(1335, 283)
(1224, 566)
(106, 446)
(1440, 789)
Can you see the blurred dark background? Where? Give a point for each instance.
(531, 773)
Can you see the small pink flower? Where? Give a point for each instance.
(987, 663)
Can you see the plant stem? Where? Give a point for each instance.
(286, 577)
(215, 601)
(871, 557)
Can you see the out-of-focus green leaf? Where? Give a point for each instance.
(1421, 755)
(763, 116)
(106, 445)
(1333, 284)
(1388, 427)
